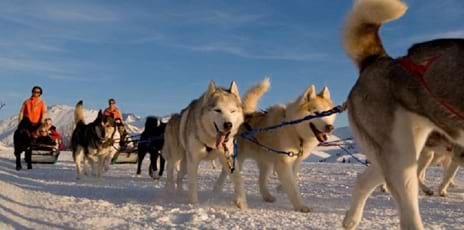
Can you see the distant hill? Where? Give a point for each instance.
(63, 118)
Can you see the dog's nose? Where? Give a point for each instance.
(227, 125)
(329, 128)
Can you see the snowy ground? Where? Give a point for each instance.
(49, 197)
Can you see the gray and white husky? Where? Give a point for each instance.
(397, 103)
(93, 142)
(204, 131)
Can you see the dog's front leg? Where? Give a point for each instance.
(219, 185)
(192, 171)
(79, 158)
(288, 181)
(240, 195)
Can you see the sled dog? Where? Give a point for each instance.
(204, 131)
(299, 139)
(92, 142)
(395, 105)
(151, 141)
(438, 150)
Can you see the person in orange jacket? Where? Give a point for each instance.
(113, 111)
(34, 109)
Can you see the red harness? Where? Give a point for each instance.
(418, 71)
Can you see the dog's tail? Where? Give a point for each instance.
(252, 96)
(79, 112)
(361, 32)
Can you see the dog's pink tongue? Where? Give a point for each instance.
(220, 138)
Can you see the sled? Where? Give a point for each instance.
(127, 155)
(44, 154)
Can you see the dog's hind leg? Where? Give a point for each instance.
(265, 171)
(364, 186)
(171, 169)
(425, 160)
(399, 160)
(181, 174)
(449, 174)
(288, 181)
(162, 163)
(140, 155)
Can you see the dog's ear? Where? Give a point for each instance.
(325, 93)
(211, 87)
(309, 94)
(99, 116)
(233, 89)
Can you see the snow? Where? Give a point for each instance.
(49, 197)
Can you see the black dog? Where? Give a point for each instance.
(22, 139)
(151, 141)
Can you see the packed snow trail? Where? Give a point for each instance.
(49, 197)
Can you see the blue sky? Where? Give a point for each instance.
(154, 57)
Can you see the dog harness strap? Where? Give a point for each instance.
(418, 71)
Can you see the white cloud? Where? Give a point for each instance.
(269, 55)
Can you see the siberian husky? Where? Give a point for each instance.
(204, 131)
(299, 139)
(92, 142)
(438, 150)
(397, 103)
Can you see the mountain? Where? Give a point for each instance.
(340, 143)
(63, 118)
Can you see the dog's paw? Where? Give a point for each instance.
(349, 223)
(269, 198)
(280, 188)
(303, 209)
(428, 192)
(241, 204)
(443, 193)
(155, 177)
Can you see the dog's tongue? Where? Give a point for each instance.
(220, 138)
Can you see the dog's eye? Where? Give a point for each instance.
(233, 111)
(218, 111)
(317, 112)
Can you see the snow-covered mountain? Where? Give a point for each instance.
(63, 118)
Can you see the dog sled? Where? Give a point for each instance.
(44, 154)
(128, 153)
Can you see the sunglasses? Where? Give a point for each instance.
(37, 92)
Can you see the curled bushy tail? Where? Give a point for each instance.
(252, 96)
(79, 112)
(361, 38)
